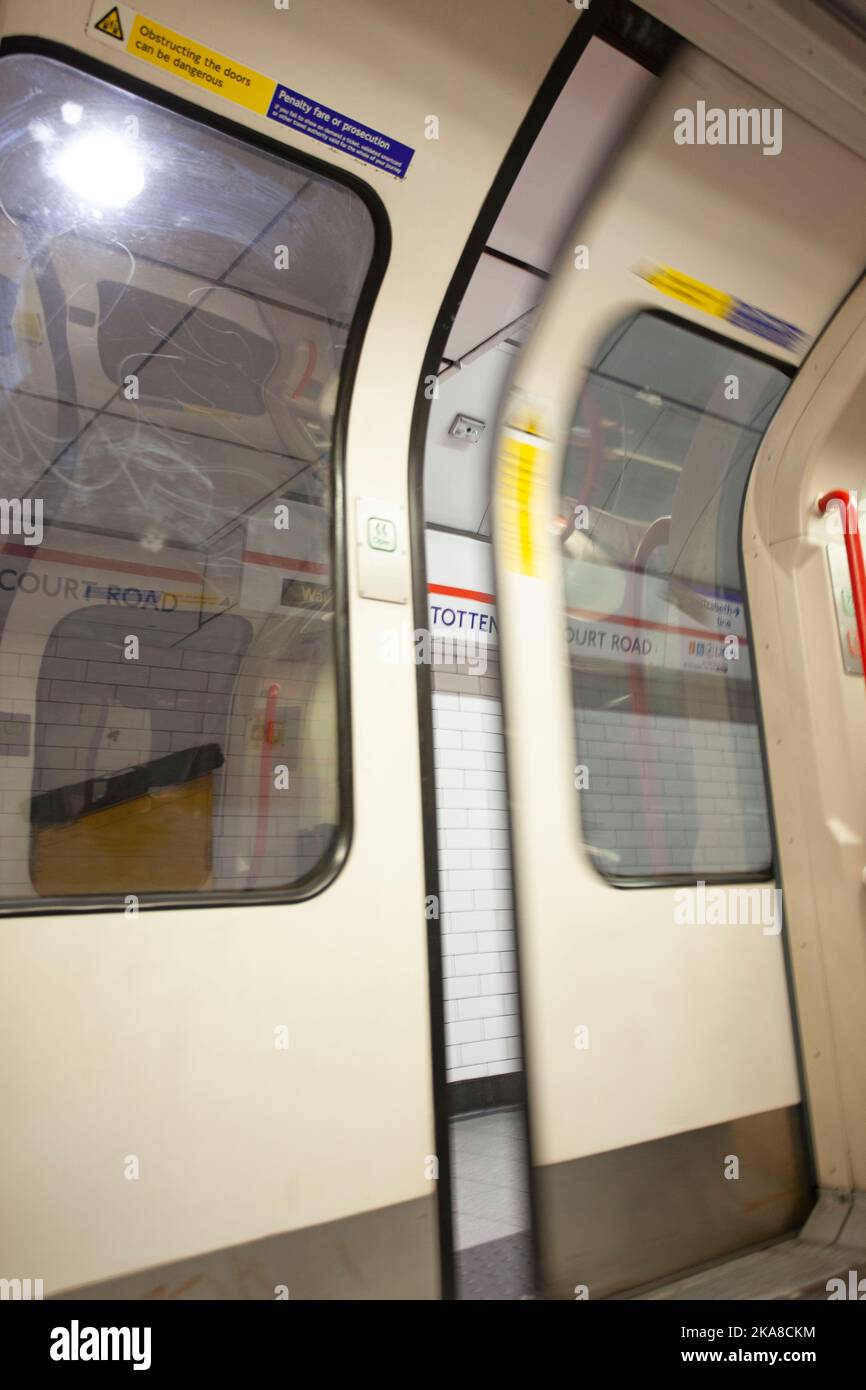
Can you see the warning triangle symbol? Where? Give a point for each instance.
(110, 24)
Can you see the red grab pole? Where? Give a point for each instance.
(656, 535)
(856, 566)
(266, 772)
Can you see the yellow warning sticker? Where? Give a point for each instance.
(520, 475)
(209, 71)
(175, 53)
(110, 24)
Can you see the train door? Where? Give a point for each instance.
(219, 271)
(802, 542)
(655, 939)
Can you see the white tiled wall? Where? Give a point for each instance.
(97, 714)
(675, 794)
(481, 1022)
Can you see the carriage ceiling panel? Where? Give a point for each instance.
(595, 106)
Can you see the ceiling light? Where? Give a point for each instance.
(101, 168)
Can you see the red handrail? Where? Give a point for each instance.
(655, 536)
(266, 772)
(856, 566)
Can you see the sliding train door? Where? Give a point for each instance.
(665, 1105)
(218, 275)
(803, 528)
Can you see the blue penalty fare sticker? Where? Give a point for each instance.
(299, 112)
(216, 74)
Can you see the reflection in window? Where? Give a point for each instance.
(174, 310)
(666, 429)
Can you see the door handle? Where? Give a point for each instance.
(854, 551)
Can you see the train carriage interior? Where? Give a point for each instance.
(431, 678)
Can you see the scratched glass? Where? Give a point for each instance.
(175, 307)
(665, 432)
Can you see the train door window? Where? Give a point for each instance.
(669, 766)
(176, 306)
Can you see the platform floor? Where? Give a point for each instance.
(492, 1241)
(491, 1206)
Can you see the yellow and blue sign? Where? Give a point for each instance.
(709, 300)
(301, 113)
(210, 71)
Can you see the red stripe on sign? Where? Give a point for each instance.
(461, 593)
(702, 633)
(99, 562)
(94, 562)
(281, 562)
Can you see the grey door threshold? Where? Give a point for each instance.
(831, 1245)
